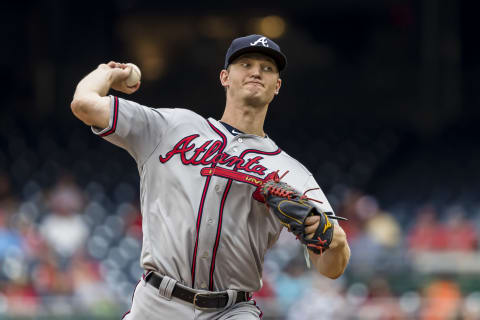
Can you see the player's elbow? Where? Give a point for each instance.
(76, 106)
(332, 263)
(80, 109)
(336, 273)
(342, 263)
(334, 276)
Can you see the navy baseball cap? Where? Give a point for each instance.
(255, 43)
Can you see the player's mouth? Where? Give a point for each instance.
(256, 83)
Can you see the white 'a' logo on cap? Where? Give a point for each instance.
(262, 40)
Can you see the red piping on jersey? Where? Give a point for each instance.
(199, 220)
(202, 201)
(115, 118)
(255, 304)
(222, 204)
(219, 231)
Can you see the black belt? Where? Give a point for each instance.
(199, 300)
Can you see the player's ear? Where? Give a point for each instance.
(224, 78)
(278, 85)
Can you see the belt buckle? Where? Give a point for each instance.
(195, 302)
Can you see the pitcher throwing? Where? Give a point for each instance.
(206, 227)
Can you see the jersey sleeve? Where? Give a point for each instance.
(317, 194)
(135, 128)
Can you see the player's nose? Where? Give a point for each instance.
(256, 71)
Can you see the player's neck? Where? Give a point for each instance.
(245, 118)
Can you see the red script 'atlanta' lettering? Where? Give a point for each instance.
(209, 153)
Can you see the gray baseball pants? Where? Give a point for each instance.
(150, 303)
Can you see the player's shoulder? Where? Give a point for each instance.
(185, 112)
(181, 114)
(294, 163)
(291, 162)
(180, 111)
(174, 115)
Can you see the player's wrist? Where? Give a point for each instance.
(107, 78)
(339, 240)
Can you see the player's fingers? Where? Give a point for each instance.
(118, 80)
(136, 87)
(117, 65)
(103, 66)
(121, 73)
(131, 90)
(122, 86)
(311, 228)
(312, 220)
(122, 65)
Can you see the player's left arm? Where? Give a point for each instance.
(332, 262)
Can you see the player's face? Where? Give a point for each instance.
(253, 78)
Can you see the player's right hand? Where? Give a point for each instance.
(119, 73)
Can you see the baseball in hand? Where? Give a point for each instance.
(134, 76)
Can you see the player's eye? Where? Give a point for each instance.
(267, 68)
(245, 64)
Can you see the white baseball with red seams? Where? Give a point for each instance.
(134, 76)
(202, 225)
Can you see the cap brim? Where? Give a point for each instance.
(279, 57)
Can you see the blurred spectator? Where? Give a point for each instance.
(49, 279)
(89, 289)
(381, 303)
(21, 298)
(471, 307)
(64, 229)
(291, 283)
(384, 229)
(133, 222)
(323, 300)
(377, 233)
(9, 239)
(427, 233)
(441, 300)
(459, 233)
(347, 209)
(365, 253)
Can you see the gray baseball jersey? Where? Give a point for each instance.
(203, 222)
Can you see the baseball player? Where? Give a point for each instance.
(206, 228)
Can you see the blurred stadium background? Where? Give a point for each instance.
(380, 102)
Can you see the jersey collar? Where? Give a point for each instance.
(234, 131)
(237, 132)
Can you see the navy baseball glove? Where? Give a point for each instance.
(293, 208)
